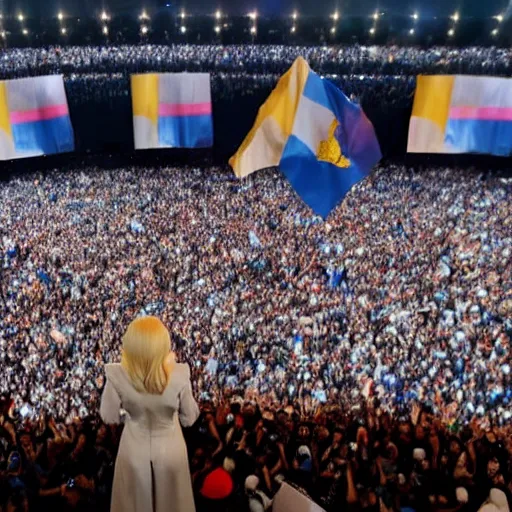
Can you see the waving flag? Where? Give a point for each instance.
(462, 114)
(34, 118)
(322, 142)
(172, 110)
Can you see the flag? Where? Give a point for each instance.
(462, 114)
(34, 118)
(172, 110)
(322, 142)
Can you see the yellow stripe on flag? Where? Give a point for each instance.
(145, 96)
(264, 144)
(5, 123)
(432, 99)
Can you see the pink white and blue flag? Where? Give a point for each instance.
(34, 118)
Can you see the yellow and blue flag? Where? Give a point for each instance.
(321, 141)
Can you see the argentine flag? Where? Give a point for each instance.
(321, 141)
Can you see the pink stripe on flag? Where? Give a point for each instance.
(39, 114)
(180, 110)
(481, 113)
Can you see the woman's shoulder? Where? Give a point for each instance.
(115, 374)
(182, 370)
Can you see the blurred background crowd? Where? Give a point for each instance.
(311, 343)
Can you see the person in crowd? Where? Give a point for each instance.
(152, 471)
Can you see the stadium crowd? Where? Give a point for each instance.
(254, 59)
(311, 343)
(365, 89)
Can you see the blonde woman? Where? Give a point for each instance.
(152, 472)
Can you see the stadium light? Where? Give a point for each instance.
(495, 32)
(333, 30)
(375, 16)
(25, 32)
(295, 15)
(415, 16)
(63, 31)
(253, 15)
(218, 15)
(217, 29)
(456, 17)
(411, 32)
(183, 29)
(451, 32)
(3, 34)
(105, 30)
(144, 30)
(104, 16)
(144, 15)
(293, 29)
(21, 17)
(372, 31)
(336, 16)
(182, 14)
(499, 18)
(253, 30)
(60, 16)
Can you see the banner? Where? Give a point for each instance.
(34, 118)
(172, 110)
(462, 114)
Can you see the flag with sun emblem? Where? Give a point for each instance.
(321, 141)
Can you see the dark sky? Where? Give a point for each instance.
(477, 8)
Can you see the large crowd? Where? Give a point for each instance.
(365, 359)
(255, 59)
(310, 342)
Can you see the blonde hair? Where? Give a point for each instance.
(146, 346)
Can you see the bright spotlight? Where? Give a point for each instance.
(333, 30)
(456, 17)
(183, 29)
(293, 29)
(144, 15)
(336, 16)
(218, 15)
(376, 16)
(495, 32)
(253, 15)
(182, 15)
(144, 30)
(3, 34)
(295, 15)
(21, 17)
(253, 30)
(63, 31)
(60, 16)
(105, 30)
(416, 16)
(411, 32)
(499, 18)
(104, 16)
(372, 31)
(25, 32)
(217, 29)
(451, 32)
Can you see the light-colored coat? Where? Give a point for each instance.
(152, 472)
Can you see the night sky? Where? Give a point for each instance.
(473, 8)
